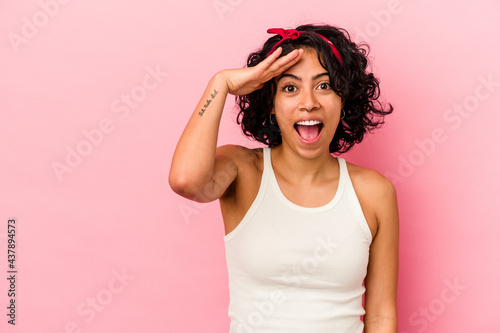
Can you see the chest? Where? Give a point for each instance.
(308, 195)
(289, 248)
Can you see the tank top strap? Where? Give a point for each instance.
(344, 174)
(344, 177)
(267, 167)
(353, 198)
(267, 158)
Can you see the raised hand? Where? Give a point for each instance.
(246, 80)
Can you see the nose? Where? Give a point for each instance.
(308, 101)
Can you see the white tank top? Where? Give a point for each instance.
(298, 269)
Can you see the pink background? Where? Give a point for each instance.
(65, 68)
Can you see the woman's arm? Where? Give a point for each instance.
(382, 275)
(197, 164)
(193, 163)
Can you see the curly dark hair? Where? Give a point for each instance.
(358, 88)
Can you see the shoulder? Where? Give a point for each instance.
(376, 195)
(239, 154)
(245, 161)
(245, 164)
(370, 182)
(236, 150)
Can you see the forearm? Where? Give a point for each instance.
(194, 157)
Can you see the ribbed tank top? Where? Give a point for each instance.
(298, 269)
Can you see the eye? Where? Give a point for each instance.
(324, 85)
(289, 88)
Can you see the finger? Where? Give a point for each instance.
(291, 58)
(271, 58)
(284, 63)
(272, 67)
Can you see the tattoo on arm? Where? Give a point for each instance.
(212, 96)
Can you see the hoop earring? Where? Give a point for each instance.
(271, 120)
(342, 114)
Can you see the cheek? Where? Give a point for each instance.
(333, 102)
(332, 129)
(284, 111)
(283, 103)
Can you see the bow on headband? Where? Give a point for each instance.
(294, 34)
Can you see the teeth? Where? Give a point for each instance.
(309, 122)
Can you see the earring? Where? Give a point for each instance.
(342, 114)
(271, 119)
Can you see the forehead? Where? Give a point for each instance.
(308, 65)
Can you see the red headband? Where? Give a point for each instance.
(294, 34)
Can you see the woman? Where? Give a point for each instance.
(307, 234)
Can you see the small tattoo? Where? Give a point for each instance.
(212, 96)
(258, 150)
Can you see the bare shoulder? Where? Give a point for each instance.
(368, 182)
(245, 162)
(236, 149)
(238, 154)
(242, 192)
(377, 197)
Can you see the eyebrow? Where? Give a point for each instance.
(299, 79)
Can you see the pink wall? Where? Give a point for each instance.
(104, 245)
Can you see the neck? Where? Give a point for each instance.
(300, 168)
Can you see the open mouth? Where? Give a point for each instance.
(308, 130)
